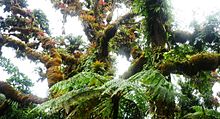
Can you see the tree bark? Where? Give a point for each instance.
(115, 101)
(195, 64)
(15, 95)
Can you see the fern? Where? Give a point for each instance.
(77, 95)
(149, 82)
(68, 100)
(157, 87)
(201, 113)
(89, 95)
(144, 86)
(79, 81)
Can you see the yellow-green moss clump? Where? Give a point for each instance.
(54, 73)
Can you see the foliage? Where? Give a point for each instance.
(124, 40)
(179, 53)
(71, 43)
(82, 77)
(207, 35)
(197, 91)
(9, 3)
(156, 14)
(84, 87)
(18, 80)
(202, 113)
(41, 19)
(75, 94)
(15, 112)
(18, 111)
(78, 81)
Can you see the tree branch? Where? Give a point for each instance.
(52, 61)
(110, 32)
(95, 9)
(123, 18)
(137, 66)
(15, 95)
(195, 64)
(19, 45)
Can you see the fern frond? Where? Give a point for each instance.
(69, 100)
(201, 113)
(142, 87)
(97, 108)
(80, 80)
(157, 87)
(104, 108)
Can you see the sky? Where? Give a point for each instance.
(184, 12)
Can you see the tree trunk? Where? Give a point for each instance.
(115, 101)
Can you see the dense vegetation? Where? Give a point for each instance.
(81, 78)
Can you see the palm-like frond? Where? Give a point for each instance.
(201, 113)
(69, 100)
(156, 85)
(89, 95)
(77, 96)
(150, 84)
(142, 87)
(79, 81)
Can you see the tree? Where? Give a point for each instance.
(82, 81)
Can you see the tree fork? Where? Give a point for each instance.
(52, 61)
(110, 32)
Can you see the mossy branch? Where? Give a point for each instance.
(137, 66)
(15, 95)
(196, 63)
(26, 31)
(68, 59)
(110, 32)
(17, 10)
(54, 73)
(19, 45)
(52, 61)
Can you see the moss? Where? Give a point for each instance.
(98, 66)
(54, 75)
(204, 61)
(54, 62)
(135, 52)
(67, 59)
(47, 43)
(195, 64)
(15, 44)
(167, 68)
(15, 95)
(18, 10)
(45, 58)
(55, 59)
(136, 66)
